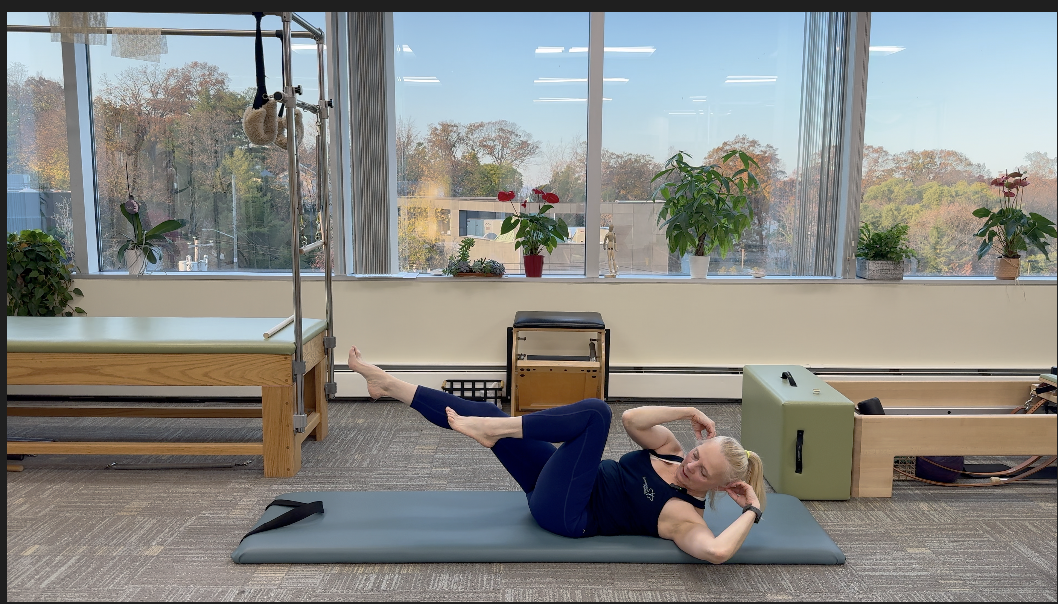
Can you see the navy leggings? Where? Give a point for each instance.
(557, 481)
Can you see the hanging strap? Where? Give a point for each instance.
(262, 92)
(300, 511)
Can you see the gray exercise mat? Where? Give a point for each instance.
(495, 526)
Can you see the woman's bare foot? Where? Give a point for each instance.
(474, 427)
(376, 378)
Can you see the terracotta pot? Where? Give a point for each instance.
(1007, 268)
(534, 265)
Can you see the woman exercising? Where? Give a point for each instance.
(657, 491)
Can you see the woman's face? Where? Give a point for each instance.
(704, 468)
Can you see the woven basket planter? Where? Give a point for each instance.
(1007, 268)
(881, 270)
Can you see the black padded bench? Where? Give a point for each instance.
(541, 381)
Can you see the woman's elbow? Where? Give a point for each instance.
(715, 555)
(627, 417)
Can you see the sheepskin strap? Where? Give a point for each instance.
(259, 121)
(299, 129)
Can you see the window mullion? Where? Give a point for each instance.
(81, 156)
(594, 152)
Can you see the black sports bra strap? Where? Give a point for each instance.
(675, 458)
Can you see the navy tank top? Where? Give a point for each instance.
(628, 496)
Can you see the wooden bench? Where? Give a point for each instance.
(941, 418)
(173, 351)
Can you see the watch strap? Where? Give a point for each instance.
(756, 512)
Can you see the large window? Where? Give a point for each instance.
(703, 83)
(954, 100)
(168, 129)
(488, 102)
(38, 164)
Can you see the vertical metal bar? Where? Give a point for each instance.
(290, 102)
(78, 98)
(593, 199)
(234, 225)
(323, 190)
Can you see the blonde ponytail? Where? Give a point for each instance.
(755, 477)
(745, 466)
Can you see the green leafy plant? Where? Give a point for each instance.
(536, 231)
(1008, 230)
(145, 240)
(39, 278)
(704, 209)
(461, 263)
(889, 245)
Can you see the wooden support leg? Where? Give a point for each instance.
(316, 398)
(282, 453)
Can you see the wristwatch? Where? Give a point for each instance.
(756, 512)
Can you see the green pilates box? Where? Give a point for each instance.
(801, 428)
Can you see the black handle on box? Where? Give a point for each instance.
(800, 446)
(786, 375)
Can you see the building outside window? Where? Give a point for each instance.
(487, 102)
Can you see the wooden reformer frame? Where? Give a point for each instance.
(951, 428)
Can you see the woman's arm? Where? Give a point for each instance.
(695, 538)
(643, 425)
(682, 523)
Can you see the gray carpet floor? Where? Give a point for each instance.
(78, 530)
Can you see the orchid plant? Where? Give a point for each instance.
(145, 240)
(1008, 229)
(536, 231)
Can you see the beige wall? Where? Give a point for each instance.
(717, 323)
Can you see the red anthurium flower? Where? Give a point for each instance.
(1009, 194)
(996, 182)
(550, 198)
(505, 195)
(524, 205)
(537, 192)
(1015, 175)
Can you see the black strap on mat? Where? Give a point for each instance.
(300, 511)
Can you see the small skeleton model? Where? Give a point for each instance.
(610, 242)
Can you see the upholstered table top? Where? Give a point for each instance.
(185, 335)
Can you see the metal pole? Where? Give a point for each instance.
(234, 225)
(290, 103)
(243, 33)
(330, 388)
(317, 34)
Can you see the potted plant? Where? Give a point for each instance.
(704, 209)
(142, 247)
(1008, 230)
(461, 266)
(881, 254)
(536, 231)
(39, 278)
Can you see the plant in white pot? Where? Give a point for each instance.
(704, 209)
(143, 246)
(881, 254)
